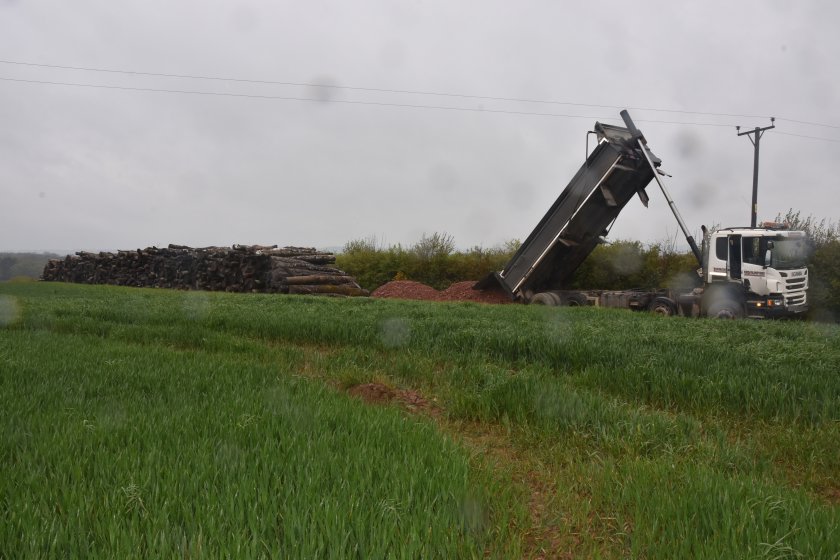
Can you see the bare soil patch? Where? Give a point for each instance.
(378, 393)
(459, 291)
(832, 493)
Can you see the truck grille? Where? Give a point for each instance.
(794, 289)
(795, 298)
(795, 284)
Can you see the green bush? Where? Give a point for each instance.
(824, 273)
(623, 265)
(433, 261)
(824, 270)
(614, 266)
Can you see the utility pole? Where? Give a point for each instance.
(759, 132)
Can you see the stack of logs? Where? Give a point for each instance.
(254, 268)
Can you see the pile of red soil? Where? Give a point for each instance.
(463, 291)
(460, 291)
(405, 289)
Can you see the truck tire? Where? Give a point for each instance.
(725, 308)
(575, 300)
(545, 298)
(663, 306)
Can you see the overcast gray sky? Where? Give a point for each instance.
(99, 168)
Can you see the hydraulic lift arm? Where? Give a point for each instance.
(637, 134)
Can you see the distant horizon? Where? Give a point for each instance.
(35, 252)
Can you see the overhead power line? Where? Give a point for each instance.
(392, 91)
(343, 101)
(293, 98)
(809, 123)
(805, 136)
(380, 90)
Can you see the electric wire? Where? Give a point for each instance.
(389, 91)
(376, 90)
(806, 136)
(809, 123)
(344, 101)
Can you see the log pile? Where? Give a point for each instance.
(241, 268)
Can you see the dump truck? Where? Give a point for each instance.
(743, 271)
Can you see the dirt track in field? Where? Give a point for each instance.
(544, 539)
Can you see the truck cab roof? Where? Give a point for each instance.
(760, 231)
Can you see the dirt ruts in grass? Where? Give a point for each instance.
(544, 539)
(832, 494)
(548, 535)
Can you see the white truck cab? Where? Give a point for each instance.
(758, 272)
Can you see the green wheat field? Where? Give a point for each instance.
(139, 423)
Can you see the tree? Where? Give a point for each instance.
(435, 245)
(820, 232)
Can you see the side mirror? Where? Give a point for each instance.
(768, 258)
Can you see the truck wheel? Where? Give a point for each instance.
(725, 308)
(545, 298)
(576, 300)
(663, 306)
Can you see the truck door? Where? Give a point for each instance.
(735, 257)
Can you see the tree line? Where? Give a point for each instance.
(434, 261)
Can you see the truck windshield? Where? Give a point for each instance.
(789, 253)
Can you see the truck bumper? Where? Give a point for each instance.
(797, 309)
(776, 312)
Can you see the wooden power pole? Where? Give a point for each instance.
(758, 132)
